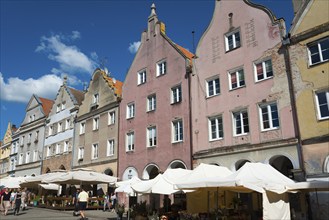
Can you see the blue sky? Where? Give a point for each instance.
(42, 40)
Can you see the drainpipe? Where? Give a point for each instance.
(286, 43)
(73, 141)
(189, 70)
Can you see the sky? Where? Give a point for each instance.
(43, 40)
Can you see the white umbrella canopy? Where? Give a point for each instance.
(318, 185)
(125, 186)
(257, 177)
(34, 181)
(11, 182)
(162, 183)
(79, 177)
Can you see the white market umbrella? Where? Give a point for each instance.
(34, 181)
(125, 186)
(79, 177)
(11, 182)
(162, 183)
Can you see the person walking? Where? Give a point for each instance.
(83, 198)
(75, 202)
(23, 205)
(106, 202)
(18, 201)
(113, 201)
(12, 198)
(5, 200)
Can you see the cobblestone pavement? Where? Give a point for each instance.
(42, 213)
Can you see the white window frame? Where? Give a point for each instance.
(29, 138)
(177, 131)
(267, 71)
(239, 82)
(50, 130)
(213, 88)
(63, 105)
(27, 157)
(111, 118)
(151, 138)
(110, 147)
(95, 123)
(269, 107)
(130, 141)
(176, 94)
(66, 146)
(95, 98)
(81, 152)
(48, 151)
(35, 155)
(67, 124)
(130, 110)
(215, 126)
(161, 68)
(151, 102)
(320, 51)
(58, 108)
(324, 105)
(141, 77)
(235, 44)
(240, 122)
(94, 151)
(82, 127)
(58, 149)
(59, 127)
(21, 158)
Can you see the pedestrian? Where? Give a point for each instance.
(5, 200)
(113, 201)
(23, 205)
(12, 198)
(18, 201)
(106, 202)
(75, 202)
(83, 198)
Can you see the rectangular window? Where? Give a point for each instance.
(22, 141)
(58, 148)
(63, 105)
(322, 101)
(130, 110)
(59, 127)
(232, 40)
(110, 148)
(240, 122)
(21, 156)
(82, 127)
(161, 68)
(263, 70)
(177, 131)
(151, 103)
(27, 158)
(94, 153)
(67, 124)
(213, 87)
(81, 153)
(58, 108)
(48, 151)
(236, 79)
(176, 94)
(269, 116)
(151, 136)
(66, 146)
(111, 120)
(215, 128)
(130, 141)
(36, 136)
(50, 132)
(96, 98)
(318, 52)
(29, 138)
(35, 155)
(96, 123)
(141, 77)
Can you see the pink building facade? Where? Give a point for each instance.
(154, 111)
(241, 107)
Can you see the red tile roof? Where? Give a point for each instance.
(116, 85)
(46, 105)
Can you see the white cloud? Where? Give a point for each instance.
(133, 47)
(69, 57)
(21, 90)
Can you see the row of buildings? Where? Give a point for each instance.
(251, 92)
